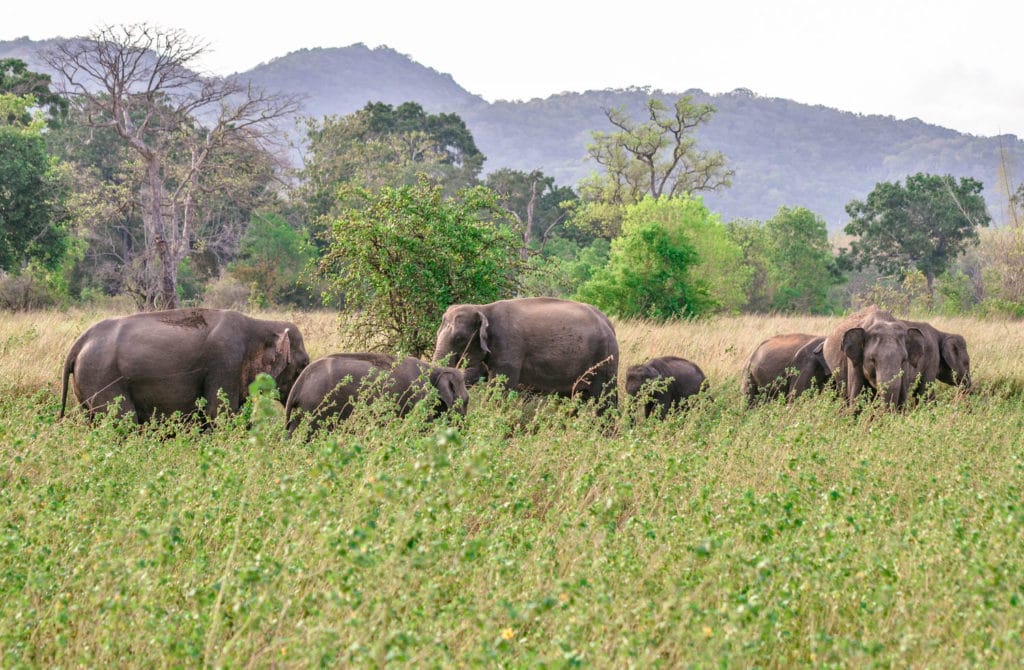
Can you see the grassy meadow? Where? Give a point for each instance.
(525, 533)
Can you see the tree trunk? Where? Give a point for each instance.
(161, 273)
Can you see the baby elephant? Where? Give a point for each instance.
(684, 380)
(330, 386)
(785, 364)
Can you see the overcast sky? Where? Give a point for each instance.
(952, 63)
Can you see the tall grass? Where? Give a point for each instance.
(529, 532)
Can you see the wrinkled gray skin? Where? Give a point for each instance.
(788, 364)
(163, 362)
(685, 379)
(872, 351)
(945, 358)
(539, 344)
(330, 386)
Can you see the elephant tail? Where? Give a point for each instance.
(69, 369)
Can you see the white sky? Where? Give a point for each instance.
(954, 63)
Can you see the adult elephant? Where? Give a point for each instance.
(873, 351)
(163, 362)
(945, 358)
(330, 386)
(682, 379)
(790, 364)
(539, 344)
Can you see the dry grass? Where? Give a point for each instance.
(33, 345)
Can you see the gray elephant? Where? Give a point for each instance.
(163, 362)
(945, 359)
(872, 351)
(330, 386)
(684, 379)
(539, 344)
(789, 364)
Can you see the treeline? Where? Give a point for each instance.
(170, 190)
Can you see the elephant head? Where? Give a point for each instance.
(955, 362)
(636, 375)
(451, 388)
(282, 356)
(463, 339)
(884, 354)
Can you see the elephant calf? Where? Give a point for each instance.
(330, 386)
(788, 364)
(684, 379)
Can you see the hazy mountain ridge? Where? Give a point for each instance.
(784, 152)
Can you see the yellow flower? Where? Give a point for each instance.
(507, 633)
(563, 597)
(707, 631)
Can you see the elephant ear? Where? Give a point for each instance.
(278, 355)
(853, 345)
(484, 323)
(955, 361)
(446, 389)
(915, 347)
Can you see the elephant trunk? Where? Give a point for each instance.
(892, 385)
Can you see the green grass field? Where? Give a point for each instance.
(524, 534)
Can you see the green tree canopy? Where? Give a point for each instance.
(32, 192)
(655, 157)
(924, 225)
(673, 259)
(380, 146)
(802, 266)
(271, 257)
(18, 80)
(538, 206)
(400, 261)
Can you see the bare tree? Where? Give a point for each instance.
(140, 81)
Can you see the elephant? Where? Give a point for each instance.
(945, 359)
(684, 379)
(164, 362)
(873, 351)
(330, 386)
(545, 345)
(789, 364)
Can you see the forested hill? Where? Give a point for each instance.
(784, 152)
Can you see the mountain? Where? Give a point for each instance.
(784, 153)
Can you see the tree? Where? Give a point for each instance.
(802, 267)
(448, 135)
(380, 146)
(18, 80)
(656, 157)
(403, 259)
(651, 270)
(533, 200)
(924, 225)
(137, 81)
(32, 191)
(271, 257)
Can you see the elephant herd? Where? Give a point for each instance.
(870, 352)
(190, 360)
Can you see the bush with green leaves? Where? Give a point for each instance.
(674, 258)
(409, 253)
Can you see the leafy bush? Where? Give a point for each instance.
(401, 260)
(673, 259)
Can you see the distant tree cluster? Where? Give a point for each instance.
(130, 174)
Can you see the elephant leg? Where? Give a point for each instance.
(100, 401)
